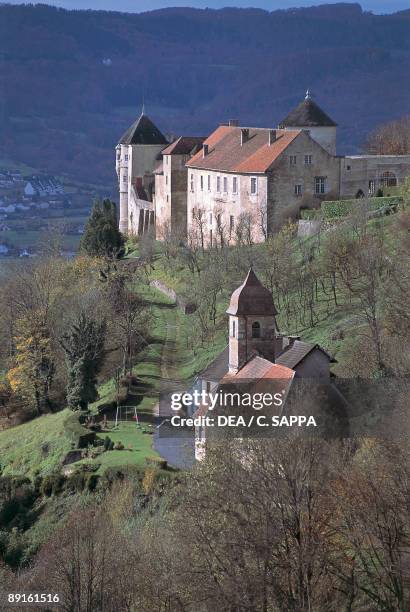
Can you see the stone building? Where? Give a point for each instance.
(241, 182)
(247, 179)
(257, 355)
(137, 155)
(170, 195)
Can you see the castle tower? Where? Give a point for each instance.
(252, 323)
(310, 117)
(136, 157)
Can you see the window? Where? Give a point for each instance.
(254, 185)
(192, 182)
(293, 160)
(235, 184)
(308, 160)
(210, 237)
(320, 184)
(231, 222)
(124, 178)
(167, 198)
(348, 168)
(233, 328)
(209, 182)
(166, 179)
(225, 184)
(118, 155)
(218, 184)
(193, 213)
(256, 330)
(210, 218)
(372, 187)
(298, 190)
(202, 183)
(126, 158)
(388, 179)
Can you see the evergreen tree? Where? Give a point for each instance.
(101, 236)
(84, 348)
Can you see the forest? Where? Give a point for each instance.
(288, 524)
(88, 72)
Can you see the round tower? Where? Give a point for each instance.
(252, 323)
(310, 117)
(136, 158)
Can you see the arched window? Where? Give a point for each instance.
(256, 330)
(388, 179)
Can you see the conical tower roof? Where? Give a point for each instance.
(307, 114)
(252, 298)
(143, 131)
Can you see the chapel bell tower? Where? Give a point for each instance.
(252, 323)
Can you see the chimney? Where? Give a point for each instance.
(233, 122)
(244, 135)
(205, 150)
(272, 137)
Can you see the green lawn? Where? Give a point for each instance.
(137, 442)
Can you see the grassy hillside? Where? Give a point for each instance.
(35, 448)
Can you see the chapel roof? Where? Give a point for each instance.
(297, 351)
(252, 298)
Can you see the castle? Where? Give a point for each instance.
(240, 179)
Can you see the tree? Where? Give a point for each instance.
(129, 319)
(34, 369)
(102, 236)
(84, 348)
(390, 139)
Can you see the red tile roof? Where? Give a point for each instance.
(259, 368)
(255, 155)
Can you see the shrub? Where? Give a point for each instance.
(160, 464)
(343, 208)
(107, 443)
(52, 484)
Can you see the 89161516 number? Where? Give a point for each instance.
(30, 598)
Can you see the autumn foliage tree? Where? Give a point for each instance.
(392, 138)
(34, 369)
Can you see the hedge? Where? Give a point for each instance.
(343, 208)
